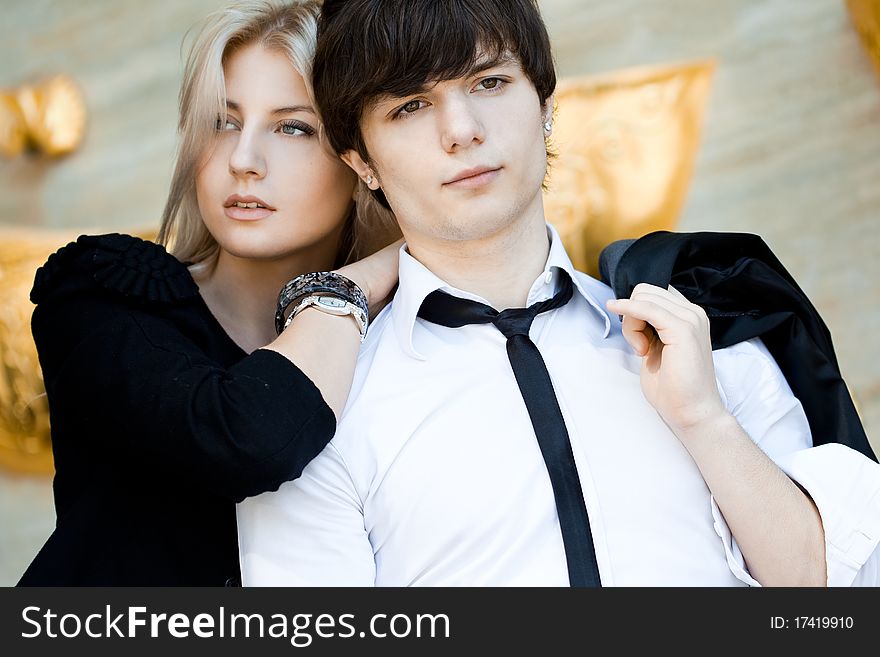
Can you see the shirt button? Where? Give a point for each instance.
(548, 278)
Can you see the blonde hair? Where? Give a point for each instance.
(290, 27)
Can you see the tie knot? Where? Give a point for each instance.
(447, 310)
(515, 321)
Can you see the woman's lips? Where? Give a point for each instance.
(246, 214)
(234, 208)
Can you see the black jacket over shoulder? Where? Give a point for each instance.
(160, 422)
(747, 293)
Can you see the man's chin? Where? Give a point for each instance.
(477, 227)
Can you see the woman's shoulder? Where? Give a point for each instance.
(135, 268)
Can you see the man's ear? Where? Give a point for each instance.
(353, 159)
(547, 110)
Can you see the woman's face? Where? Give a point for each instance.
(268, 188)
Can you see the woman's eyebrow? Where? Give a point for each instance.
(231, 104)
(294, 108)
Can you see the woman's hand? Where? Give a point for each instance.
(672, 336)
(376, 275)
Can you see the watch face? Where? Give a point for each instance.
(333, 302)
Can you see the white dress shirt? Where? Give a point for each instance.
(435, 477)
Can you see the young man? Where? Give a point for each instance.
(548, 446)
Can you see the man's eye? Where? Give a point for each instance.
(410, 107)
(491, 83)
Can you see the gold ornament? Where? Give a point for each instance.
(866, 17)
(626, 145)
(13, 130)
(49, 116)
(25, 443)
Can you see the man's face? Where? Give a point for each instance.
(463, 160)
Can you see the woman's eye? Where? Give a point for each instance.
(295, 128)
(222, 125)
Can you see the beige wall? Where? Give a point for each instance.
(125, 55)
(791, 141)
(790, 146)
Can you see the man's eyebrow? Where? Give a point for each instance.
(481, 65)
(386, 98)
(231, 104)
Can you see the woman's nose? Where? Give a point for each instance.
(247, 158)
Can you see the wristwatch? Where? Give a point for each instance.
(334, 306)
(322, 284)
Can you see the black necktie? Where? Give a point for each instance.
(537, 391)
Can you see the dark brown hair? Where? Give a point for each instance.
(368, 49)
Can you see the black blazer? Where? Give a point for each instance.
(160, 422)
(747, 293)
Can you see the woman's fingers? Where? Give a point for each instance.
(376, 274)
(390, 252)
(395, 246)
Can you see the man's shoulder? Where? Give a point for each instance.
(747, 355)
(377, 370)
(376, 333)
(747, 371)
(380, 344)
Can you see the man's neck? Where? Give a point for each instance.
(501, 267)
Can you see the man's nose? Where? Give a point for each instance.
(461, 125)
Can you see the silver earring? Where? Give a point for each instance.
(369, 180)
(548, 126)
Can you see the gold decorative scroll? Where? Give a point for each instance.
(49, 117)
(866, 17)
(13, 129)
(626, 145)
(25, 444)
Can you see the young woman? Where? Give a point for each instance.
(172, 394)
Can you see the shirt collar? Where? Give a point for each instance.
(417, 282)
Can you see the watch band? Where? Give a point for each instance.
(332, 305)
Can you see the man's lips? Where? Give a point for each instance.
(472, 178)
